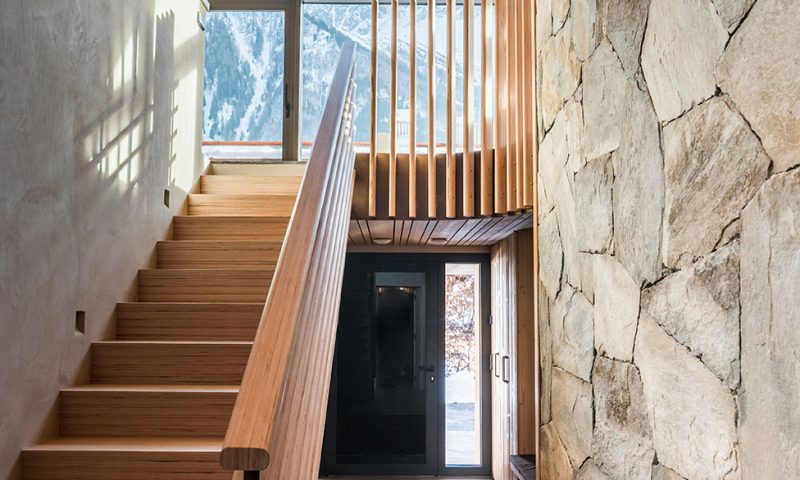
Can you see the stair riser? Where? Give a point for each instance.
(168, 364)
(100, 465)
(204, 286)
(230, 228)
(127, 413)
(222, 322)
(249, 185)
(241, 205)
(211, 255)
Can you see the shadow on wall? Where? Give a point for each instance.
(101, 114)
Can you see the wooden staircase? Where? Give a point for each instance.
(161, 395)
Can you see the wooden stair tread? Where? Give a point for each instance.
(137, 444)
(154, 388)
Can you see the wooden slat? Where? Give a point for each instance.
(501, 106)
(487, 207)
(412, 115)
(511, 102)
(521, 123)
(188, 321)
(169, 362)
(418, 228)
(431, 108)
(534, 179)
(393, 117)
(468, 178)
(230, 228)
(450, 114)
(373, 112)
(529, 99)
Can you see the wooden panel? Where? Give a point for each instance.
(230, 228)
(228, 286)
(431, 171)
(501, 106)
(169, 362)
(393, 117)
(241, 205)
(355, 234)
(126, 458)
(145, 411)
(418, 228)
(209, 254)
(188, 321)
(412, 106)
(469, 146)
(526, 394)
(250, 185)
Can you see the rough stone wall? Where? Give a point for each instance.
(669, 216)
(99, 114)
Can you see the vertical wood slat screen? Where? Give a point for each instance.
(503, 181)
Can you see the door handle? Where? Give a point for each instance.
(506, 369)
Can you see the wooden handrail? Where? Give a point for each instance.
(278, 418)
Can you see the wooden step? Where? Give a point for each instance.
(169, 362)
(230, 228)
(146, 410)
(188, 321)
(241, 205)
(208, 254)
(125, 458)
(227, 286)
(249, 185)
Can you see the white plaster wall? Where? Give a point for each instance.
(99, 114)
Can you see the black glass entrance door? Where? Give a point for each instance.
(383, 415)
(409, 390)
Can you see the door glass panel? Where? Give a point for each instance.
(243, 112)
(382, 374)
(462, 367)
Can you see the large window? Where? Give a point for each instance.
(244, 82)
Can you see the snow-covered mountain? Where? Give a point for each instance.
(244, 65)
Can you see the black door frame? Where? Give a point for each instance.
(433, 265)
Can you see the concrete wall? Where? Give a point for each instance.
(99, 114)
(670, 254)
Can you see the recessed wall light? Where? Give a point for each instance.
(80, 323)
(438, 240)
(383, 241)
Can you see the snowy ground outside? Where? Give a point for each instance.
(461, 425)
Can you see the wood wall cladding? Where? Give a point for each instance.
(513, 353)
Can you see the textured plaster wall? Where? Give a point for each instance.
(669, 238)
(99, 114)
